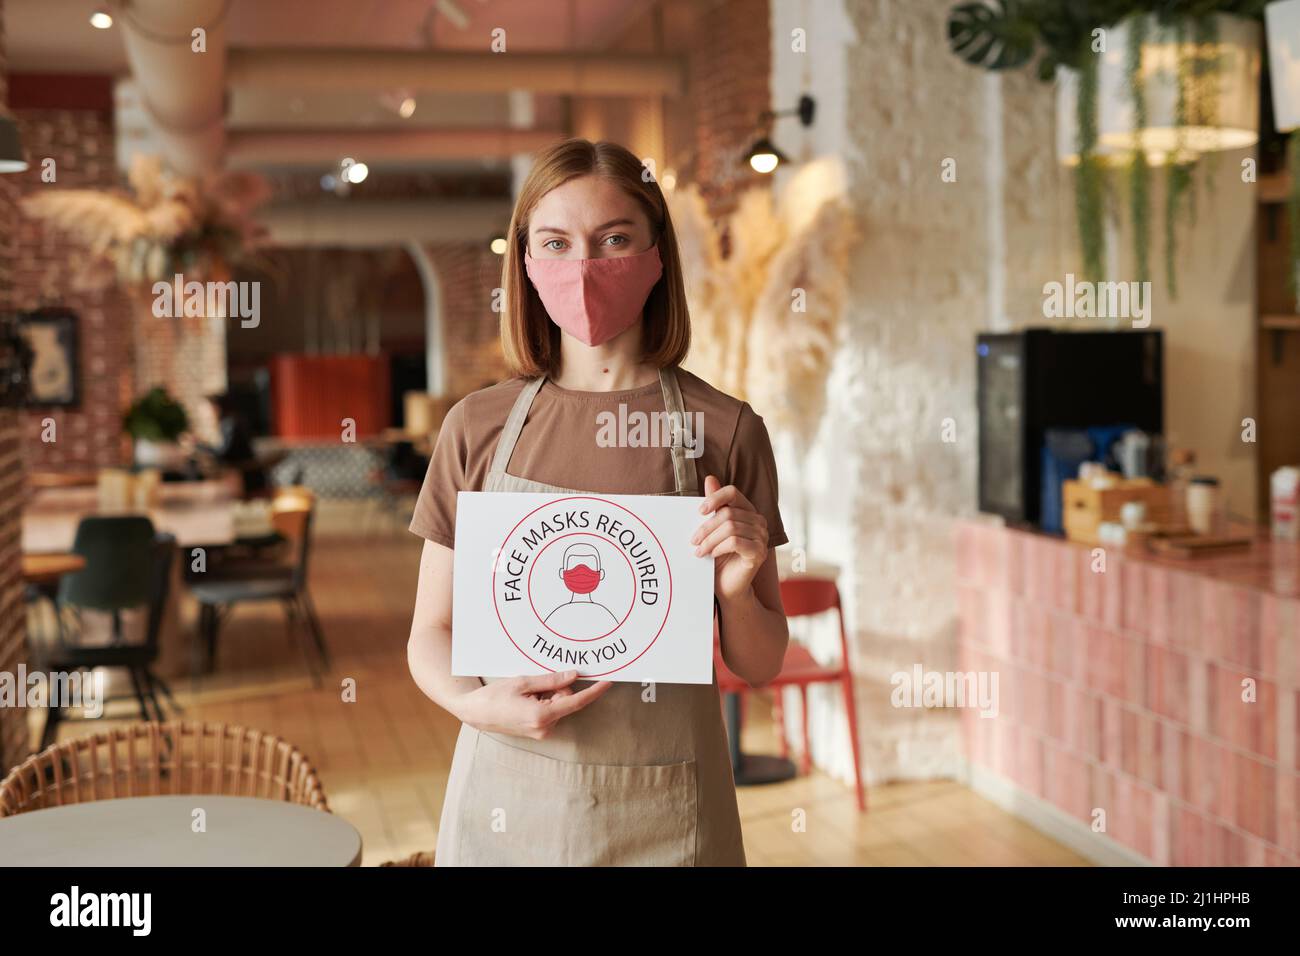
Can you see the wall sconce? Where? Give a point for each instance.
(763, 156)
(11, 147)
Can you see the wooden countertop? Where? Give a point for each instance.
(1269, 566)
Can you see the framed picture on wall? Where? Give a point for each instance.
(53, 378)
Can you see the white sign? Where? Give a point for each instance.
(607, 585)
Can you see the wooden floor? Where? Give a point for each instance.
(383, 760)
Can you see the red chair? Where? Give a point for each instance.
(802, 597)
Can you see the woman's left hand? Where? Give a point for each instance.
(735, 534)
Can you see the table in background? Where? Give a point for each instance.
(86, 478)
(198, 513)
(44, 570)
(157, 831)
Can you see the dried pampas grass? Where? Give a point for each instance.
(166, 221)
(796, 323)
(95, 219)
(766, 319)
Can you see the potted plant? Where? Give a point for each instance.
(155, 421)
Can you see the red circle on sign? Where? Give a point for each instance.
(667, 568)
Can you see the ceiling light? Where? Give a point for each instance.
(1168, 75)
(101, 20)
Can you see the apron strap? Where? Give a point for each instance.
(684, 475)
(514, 425)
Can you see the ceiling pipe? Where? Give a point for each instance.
(245, 148)
(182, 89)
(361, 223)
(299, 70)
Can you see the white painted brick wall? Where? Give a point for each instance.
(885, 488)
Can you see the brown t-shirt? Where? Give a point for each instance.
(566, 442)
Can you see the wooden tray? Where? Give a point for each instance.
(1195, 545)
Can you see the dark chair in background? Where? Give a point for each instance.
(116, 576)
(235, 583)
(399, 477)
(128, 566)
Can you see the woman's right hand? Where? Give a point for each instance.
(527, 706)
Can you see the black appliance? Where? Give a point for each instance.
(1036, 379)
(406, 373)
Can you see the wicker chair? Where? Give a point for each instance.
(423, 858)
(156, 759)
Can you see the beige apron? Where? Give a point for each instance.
(641, 776)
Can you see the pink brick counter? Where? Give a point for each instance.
(1122, 690)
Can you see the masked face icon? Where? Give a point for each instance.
(581, 570)
(582, 615)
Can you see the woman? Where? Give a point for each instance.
(551, 770)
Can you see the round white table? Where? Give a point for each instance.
(158, 831)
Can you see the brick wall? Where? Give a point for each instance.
(13, 724)
(467, 274)
(49, 269)
(729, 64)
(704, 135)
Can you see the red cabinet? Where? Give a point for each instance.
(312, 395)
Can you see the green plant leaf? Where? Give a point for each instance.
(1139, 171)
(156, 416)
(995, 35)
(1089, 176)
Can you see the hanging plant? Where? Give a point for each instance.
(1179, 177)
(1089, 179)
(166, 224)
(995, 35)
(1206, 67)
(1139, 170)
(1008, 34)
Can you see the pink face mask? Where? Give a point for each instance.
(581, 579)
(595, 300)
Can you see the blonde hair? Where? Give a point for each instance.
(530, 341)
